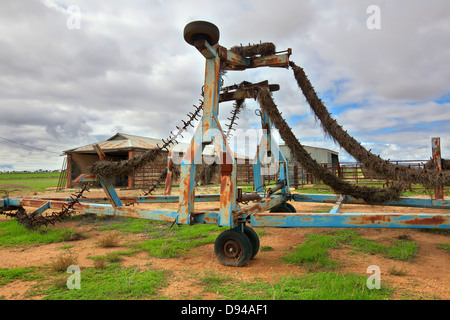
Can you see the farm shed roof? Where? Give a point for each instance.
(119, 142)
(126, 142)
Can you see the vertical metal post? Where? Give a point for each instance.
(131, 177)
(204, 133)
(168, 184)
(257, 179)
(296, 176)
(69, 170)
(436, 152)
(187, 180)
(211, 89)
(228, 183)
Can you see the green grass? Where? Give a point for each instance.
(444, 246)
(314, 254)
(28, 175)
(173, 244)
(113, 257)
(117, 283)
(28, 180)
(166, 241)
(320, 188)
(13, 233)
(400, 249)
(311, 286)
(25, 274)
(113, 282)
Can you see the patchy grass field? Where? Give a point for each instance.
(30, 181)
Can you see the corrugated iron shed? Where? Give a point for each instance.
(119, 142)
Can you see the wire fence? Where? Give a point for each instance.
(353, 172)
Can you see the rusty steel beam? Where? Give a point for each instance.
(338, 204)
(253, 196)
(235, 61)
(246, 91)
(348, 220)
(262, 205)
(168, 183)
(107, 209)
(402, 202)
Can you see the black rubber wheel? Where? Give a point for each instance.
(254, 240)
(233, 248)
(290, 206)
(197, 30)
(283, 207)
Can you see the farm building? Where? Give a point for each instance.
(321, 155)
(123, 146)
(325, 157)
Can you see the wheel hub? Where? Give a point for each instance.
(232, 249)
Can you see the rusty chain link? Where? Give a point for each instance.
(33, 220)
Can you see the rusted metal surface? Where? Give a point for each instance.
(245, 90)
(228, 188)
(253, 196)
(100, 153)
(168, 183)
(211, 87)
(187, 179)
(234, 61)
(348, 220)
(227, 192)
(69, 171)
(338, 204)
(436, 152)
(36, 218)
(125, 199)
(280, 185)
(262, 205)
(131, 180)
(402, 202)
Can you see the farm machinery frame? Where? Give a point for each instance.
(237, 210)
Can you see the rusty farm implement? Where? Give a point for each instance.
(239, 211)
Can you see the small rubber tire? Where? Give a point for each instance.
(233, 248)
(290, 206)
(197, 30)
(254, 240)
(283, 207)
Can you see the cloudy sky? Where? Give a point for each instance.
(76, 72)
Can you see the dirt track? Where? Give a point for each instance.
(427, 277)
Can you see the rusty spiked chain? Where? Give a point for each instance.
(33, 219)
(106, 169)
(402, 174)
(161, 178)
(172, 137)
(172, 140)
(369, 194)
(237, 107)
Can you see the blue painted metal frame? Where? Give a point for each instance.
(349, 220)
(335, 219)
